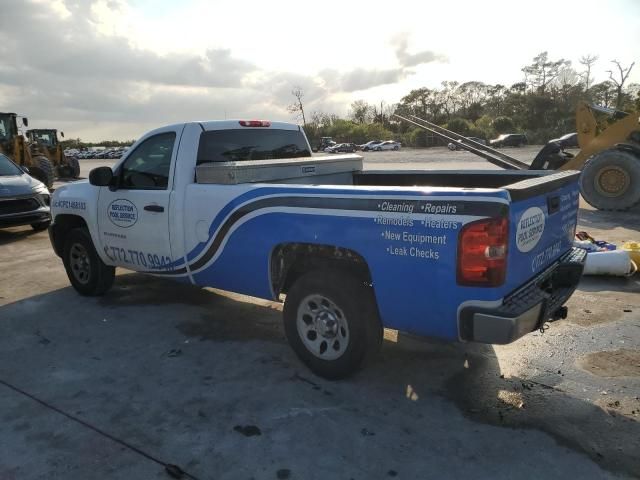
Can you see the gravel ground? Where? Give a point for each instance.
(205, 380)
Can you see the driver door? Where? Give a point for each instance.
(133, 218)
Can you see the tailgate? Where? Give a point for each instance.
(543, 218)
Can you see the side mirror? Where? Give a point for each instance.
(25, 121)
(25, 169)
(101, 176)
(62, 134)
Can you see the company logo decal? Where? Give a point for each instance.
(122, 213)
(530, 229)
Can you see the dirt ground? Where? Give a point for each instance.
(156, 372)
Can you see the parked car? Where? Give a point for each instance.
(388, 145)
(365, 147)
(510, 140)
(341, 148)
(325, 142)
(456, 145)
(23, 199)
(569, 140)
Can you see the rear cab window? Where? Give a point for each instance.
(238, 145)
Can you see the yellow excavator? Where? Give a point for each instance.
(44, 142)
(14, 145)
(609, 155)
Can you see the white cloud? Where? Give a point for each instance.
(111, 67)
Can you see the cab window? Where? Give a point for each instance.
(237, 145)
(147, 167)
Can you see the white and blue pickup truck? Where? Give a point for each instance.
(243, 206)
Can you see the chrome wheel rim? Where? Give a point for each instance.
(322, 327)
(79, 262)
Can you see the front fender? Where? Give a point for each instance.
(80, 200)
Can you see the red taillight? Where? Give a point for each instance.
(255, 123)
(482, 252)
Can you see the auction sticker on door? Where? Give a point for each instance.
(530, 229)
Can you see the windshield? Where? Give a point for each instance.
(251, 144)
(8, 168)
(45, 138)
(6, 129)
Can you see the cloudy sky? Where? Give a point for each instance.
(112, 69)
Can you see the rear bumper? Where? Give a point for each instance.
(526, 309)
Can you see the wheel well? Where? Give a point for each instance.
(291, 260)
(629, 147)
(62, 226)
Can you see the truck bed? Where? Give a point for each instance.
(519, 183)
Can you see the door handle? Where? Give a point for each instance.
(154, 208)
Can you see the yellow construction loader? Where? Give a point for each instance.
(609, 158)
(14, 145)
(609, 155)
(45, 142)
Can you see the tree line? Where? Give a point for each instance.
(542, 106)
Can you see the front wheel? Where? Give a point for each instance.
(331, 322)
(88, 274)
(42, 170)
(610, 180)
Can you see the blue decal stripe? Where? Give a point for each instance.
(457, 207)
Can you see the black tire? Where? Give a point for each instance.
(350, 310)
(86, 271)
(43, 171)
(74, 167)
(396, 148)
(610, 180)
(38, 227)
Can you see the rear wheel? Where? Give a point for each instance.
(331, 322)
(43, 171)
(74, 166)
(610, 180)
(88, 274)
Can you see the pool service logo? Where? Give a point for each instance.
(530, 229)
(122, 213)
